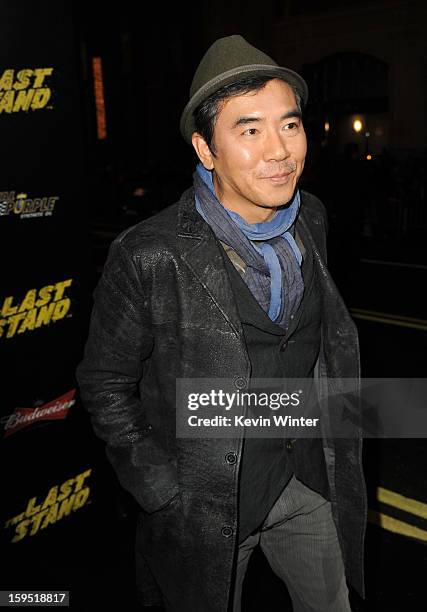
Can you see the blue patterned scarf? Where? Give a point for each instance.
(272, 257)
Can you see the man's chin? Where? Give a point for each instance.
(276, 203)
(279, 197)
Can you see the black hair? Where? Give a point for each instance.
(206, 113)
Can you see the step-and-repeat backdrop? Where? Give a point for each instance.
(52, 467)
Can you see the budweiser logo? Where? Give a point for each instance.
(22, 417)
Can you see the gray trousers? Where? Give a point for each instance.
(300, 541)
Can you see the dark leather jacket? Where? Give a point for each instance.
(164, 309)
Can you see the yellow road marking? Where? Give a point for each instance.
(407, 504)
(390, 315)
(389, 318)
(396, 526)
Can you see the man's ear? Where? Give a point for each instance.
(202, 150)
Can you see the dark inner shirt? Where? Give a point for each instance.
(266, 464)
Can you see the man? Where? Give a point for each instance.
(230, 282)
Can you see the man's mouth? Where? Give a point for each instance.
(281, 175)
(279, 178)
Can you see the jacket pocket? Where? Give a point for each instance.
(175, 499)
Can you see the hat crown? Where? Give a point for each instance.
(226, 61)
(227, 54)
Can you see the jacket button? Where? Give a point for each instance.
(283, 345)
(226, 531)
(289, 445)
(231, 457)
(240, 382)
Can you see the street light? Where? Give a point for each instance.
(357, 125)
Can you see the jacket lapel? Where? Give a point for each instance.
(201, 253)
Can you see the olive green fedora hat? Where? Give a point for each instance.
(225, 62)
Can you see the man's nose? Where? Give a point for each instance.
(275, 146)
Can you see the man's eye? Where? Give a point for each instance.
(292, 123)
(250, 131)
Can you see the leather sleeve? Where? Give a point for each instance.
(119, 340)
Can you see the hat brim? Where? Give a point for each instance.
(187, 125)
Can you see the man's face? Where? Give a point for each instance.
(260, 147)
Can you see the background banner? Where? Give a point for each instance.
(52, 468)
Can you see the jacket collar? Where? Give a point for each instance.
(200, 250)
(190, 223)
